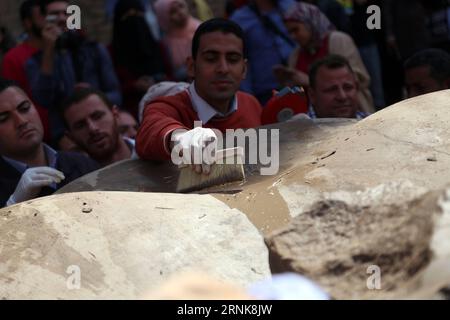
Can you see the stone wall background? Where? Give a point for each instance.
(93, 16)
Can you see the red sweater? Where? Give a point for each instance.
(176, 112)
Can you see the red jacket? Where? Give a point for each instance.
(176, 112)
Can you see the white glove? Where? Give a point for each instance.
(199, 147)
(31, 182)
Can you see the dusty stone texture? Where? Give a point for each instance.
(337, 244)
(392, 157)
(125, 245)
(317, 160)
(259, 197)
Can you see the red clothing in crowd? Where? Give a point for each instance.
(305, 59)
(176, 112)
(13, 68)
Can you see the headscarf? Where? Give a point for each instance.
(312, 17)
(204, 11)
(178, 40)
(162, 10)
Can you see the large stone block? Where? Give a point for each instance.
(123, 244)
(369, 247)
(397, 160)
(408, 141)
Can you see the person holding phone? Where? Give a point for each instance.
(67, 61)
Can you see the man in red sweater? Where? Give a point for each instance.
(218, 66)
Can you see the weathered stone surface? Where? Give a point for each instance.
(392, 158)
(125, 245)
(338, 243)
(128, 175)
(251, 197)
(318, 159)
(149, 176)
(392, 146)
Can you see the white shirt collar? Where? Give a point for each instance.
(204, 110)
(131, 143)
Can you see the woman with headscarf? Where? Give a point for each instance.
(317, 38)
(178, 28)
(138, 57)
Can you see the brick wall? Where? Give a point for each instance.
(92, 16)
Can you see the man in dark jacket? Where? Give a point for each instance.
(28, 167)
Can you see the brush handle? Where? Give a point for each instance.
(225, 153)
(222, 154)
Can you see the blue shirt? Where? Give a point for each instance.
(265, 48)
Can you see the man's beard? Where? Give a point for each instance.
(105, 154)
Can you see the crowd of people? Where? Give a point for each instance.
(70, 105)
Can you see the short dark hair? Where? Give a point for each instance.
(80, 95)
(438, 60)
(332, 61)
(5, 84)
(213, 25)
(44, 3)
(26, 9)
